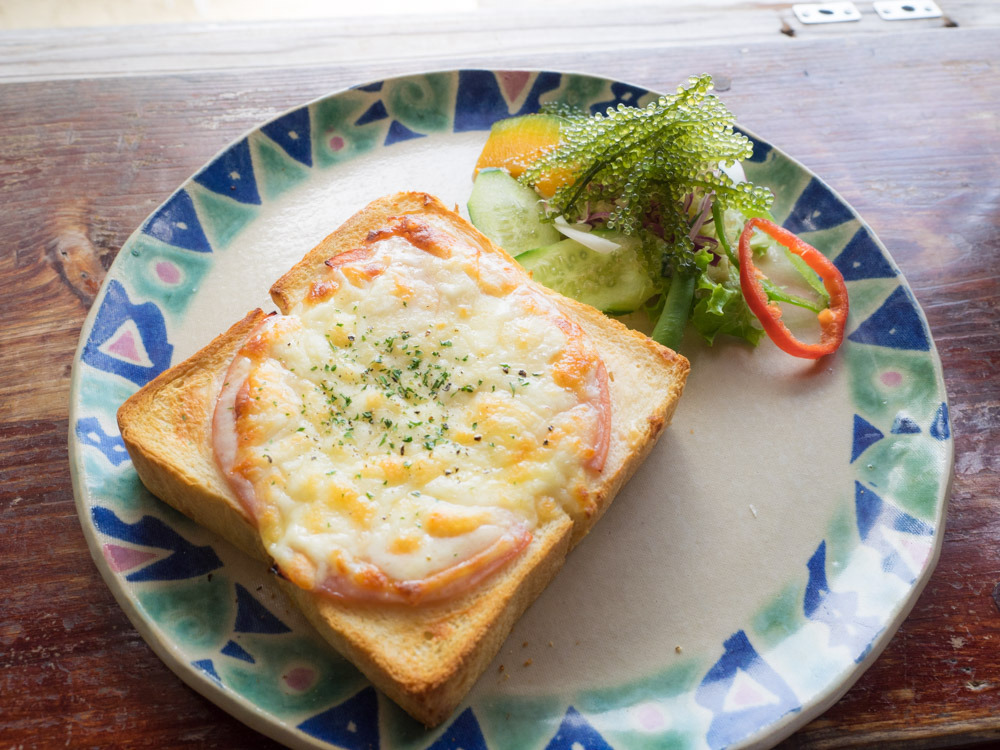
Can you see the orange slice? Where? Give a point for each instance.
(516, 142)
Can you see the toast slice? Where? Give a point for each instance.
(427, 656)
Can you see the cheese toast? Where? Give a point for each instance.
(425, 630)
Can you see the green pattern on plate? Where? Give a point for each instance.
(279, 173)
(162, 263)
(268, 682)
(334, 139)
(781, 617)
(885, 381)
(195, 613)
(421, 104)
(222, 218)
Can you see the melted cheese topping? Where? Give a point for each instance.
(400, 433)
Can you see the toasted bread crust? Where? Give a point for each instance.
(427, 657)
(166, 426)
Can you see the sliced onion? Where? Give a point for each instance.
(734, 171)
(703, 212)
(585, 237)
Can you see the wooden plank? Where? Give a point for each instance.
(430, 40)
(909, 140)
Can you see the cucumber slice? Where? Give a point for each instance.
(508, 213)
(615, 283)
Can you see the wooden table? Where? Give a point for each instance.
(96, 129)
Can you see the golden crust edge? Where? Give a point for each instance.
(169, 465)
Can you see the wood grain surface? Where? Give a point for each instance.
(906, 127)
(499, 27)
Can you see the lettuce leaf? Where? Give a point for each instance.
(720, 308)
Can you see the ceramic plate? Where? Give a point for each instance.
(754, 566)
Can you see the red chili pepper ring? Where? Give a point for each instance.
(832, 319)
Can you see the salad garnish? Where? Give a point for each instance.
(660, 188)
